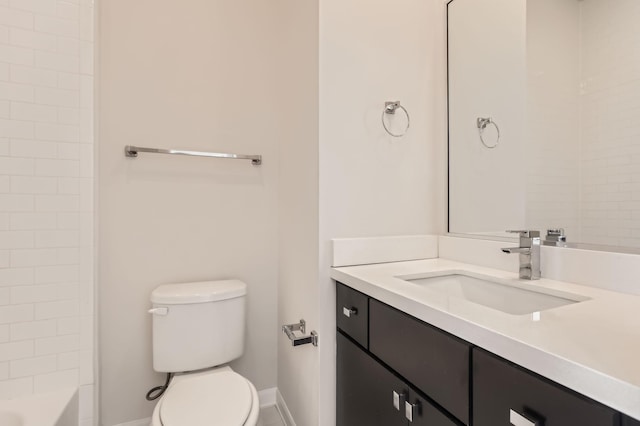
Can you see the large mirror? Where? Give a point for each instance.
(544, 118)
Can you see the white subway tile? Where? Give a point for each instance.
(16, 350)
(4, 34)
(86, 195)
(57, 97)
(33, 366)
(33, 112)
(86, 368)
(57, 62)
(4, 371)
(58, 168)
(34, 293)
(16, 239)
(86, 332)
(16, 276)
(68, 10)
(4, 333)
(16, 55)
(69, 81)
(4, 147)
(86, 58)
(68, 151)
(58, 309)
(31, 39)
(32, 221)
(57, 132)
(57, 26)
(16, 203)
(5, 109)
(68, 186)
(16, 388)
(69, 116)
(16, 92)
(5, 296)
(17, 129)
(68, 46)
(58, 274)
(86, 91)
(47, 7)
(16, 18)
(33, 149)
(16, 313)
(34, 185)
(53, 381)
(69, 325)
(5, 262)
(4, 221)
(68, 256)
(86, 22)
(4, 71)
(34, 257)
(86, 125)
(69, 221)
(62, 238)
(56, 345)
(17, 166)
(32, 330)
(57, 203)
(5, 184)
(69, 360)
(33, 76)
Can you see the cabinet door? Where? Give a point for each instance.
(433, 361)
(365, 389)
(365, 392)
(628, 421)
(501, 389)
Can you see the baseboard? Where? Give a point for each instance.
(281, 405)
(140, 422)
(267, 397)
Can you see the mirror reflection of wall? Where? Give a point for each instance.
(562, 79)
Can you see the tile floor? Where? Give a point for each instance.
(270, 416)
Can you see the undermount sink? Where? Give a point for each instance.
(511, 298)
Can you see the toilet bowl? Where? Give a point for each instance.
(216, 397)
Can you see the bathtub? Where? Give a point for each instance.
(59, 408)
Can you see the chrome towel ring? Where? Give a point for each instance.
(482, 125)
(390, 108)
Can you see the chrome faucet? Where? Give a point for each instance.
(529, 252)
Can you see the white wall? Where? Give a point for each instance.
(199, 75)
(487, 78)
(298, 368)
(46, 198)
(372, 184)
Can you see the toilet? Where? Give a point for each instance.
(197, 328)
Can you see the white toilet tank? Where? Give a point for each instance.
(197, 325)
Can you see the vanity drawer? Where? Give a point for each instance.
(352, 313)
(434, 361)
(502, 391)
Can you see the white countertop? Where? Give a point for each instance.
(592, 347)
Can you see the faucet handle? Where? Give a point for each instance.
(526, 234)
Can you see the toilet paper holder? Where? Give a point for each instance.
(290, 330)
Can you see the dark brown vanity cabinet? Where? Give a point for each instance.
(389, 362)
(505, 394)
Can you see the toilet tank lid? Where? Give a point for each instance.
(198, 292)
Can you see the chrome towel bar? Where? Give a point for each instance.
(132, 151)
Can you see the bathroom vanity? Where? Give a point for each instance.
(408, 354)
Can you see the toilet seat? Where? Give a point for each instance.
(223, 398)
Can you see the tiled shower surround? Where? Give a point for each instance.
(46, 198)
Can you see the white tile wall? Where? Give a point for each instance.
(46, 198)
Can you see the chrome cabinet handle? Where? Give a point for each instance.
(409, 410)
(517, 419)
(347, 312)
(398, 399)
